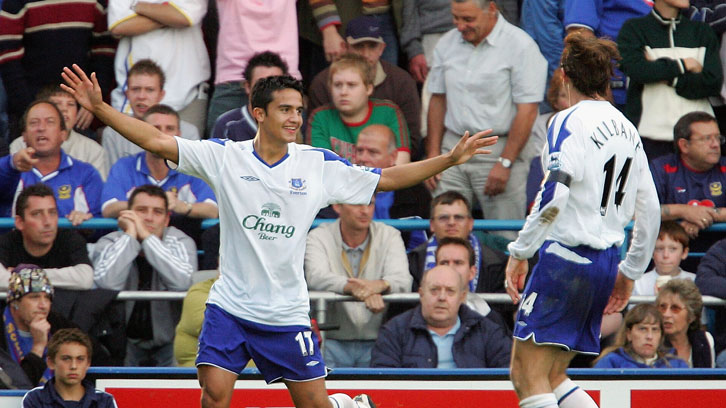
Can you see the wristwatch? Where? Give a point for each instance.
(506, 163)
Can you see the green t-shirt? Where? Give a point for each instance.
(327, 129)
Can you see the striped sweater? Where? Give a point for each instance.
(326, 13)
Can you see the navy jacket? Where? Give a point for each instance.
(405, 342)
(47, 396)
(621, 359)
(711, 281)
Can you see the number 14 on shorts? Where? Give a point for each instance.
(528, 303)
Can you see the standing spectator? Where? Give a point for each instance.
(603, 18)
(76, 184)
(376, 148)
(188, 196)
(423, 23)
(69, 356)
(147, 255)
(29, 322)
(673, 67)
(145, 88)
(40, 37)
(486, 74)
(542, 20)
(364, 37)
(680, 303)
(75, 144)
(690, 182)
(186, 340)
(37, 240)
(358, 257)
(336, 126)
(238, 123)
(170, 34)
(245, 29)
(640, 343)
(441, 332)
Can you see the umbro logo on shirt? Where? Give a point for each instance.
(249, 178)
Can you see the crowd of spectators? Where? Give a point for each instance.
(387, 82)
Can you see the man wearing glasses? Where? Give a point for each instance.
(691, 182)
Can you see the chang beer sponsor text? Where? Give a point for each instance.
(264, 223)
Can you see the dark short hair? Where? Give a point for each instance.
(52, 90)
(36, 190)
(675, 231)
(456, 241)
(682, 128)
(151, 190)
(147, 67)
(65, 336)
(448, 198)
(24, 121)
(262, 93)
(264, 59)
(164, 110)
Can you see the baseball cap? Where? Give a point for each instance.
(28, 278)
(363, 28)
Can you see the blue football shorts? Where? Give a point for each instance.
(280, 352)
(563, 302)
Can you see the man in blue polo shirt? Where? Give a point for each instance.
(76, 184)
(188, 196)
(690, 183)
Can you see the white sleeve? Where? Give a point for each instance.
(347, 183)
(193, 10)
(201, 158)
(563, 159)
(118, 11)
(647, 224)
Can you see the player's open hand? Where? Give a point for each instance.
(516, 273)
(86, 91)
(468, 146)
(621, 293)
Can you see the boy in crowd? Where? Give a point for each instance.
(69, 356)
(670, 249)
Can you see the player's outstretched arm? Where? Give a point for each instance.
(406, 175)
(88, 94)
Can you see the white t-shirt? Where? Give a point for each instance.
(601, 153)
(645, 286)
(180, 52)
(265, 212)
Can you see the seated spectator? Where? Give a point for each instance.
(76, 184)
(355, 256)
(147, 255)
(680, 303)
(711, 280)
(376, 147)
(671, 248)
(69, 357)
(639, 343)
(690, 182)
(673, 66)
(37, 240)
(29, 322)
(336, 126)
(144, 89)
(364, 37)
(188, 196)
(458, 254)
(451, 217)
(186, 341)
(75, 144)
(442, 332)
(238, 124)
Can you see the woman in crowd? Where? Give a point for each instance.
(639, 343)
(679, 302)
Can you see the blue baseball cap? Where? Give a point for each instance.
(363, 28)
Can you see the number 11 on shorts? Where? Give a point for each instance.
(301, 337)
(528, 303)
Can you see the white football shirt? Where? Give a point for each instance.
(594, 146)
(265, 212)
